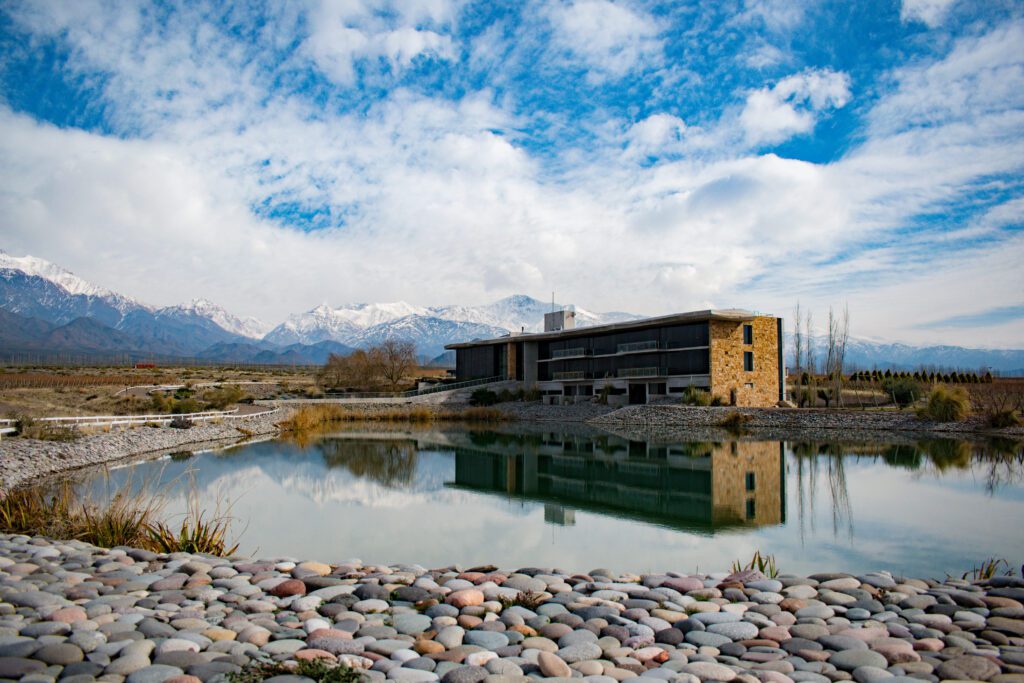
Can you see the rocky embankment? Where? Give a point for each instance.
(792, 420)
(77, 613)
(24, 460)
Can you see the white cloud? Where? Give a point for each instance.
(609, 38)
(434, 203)
(928, 12)
(343, 32)
(655, 134)
(792, 106)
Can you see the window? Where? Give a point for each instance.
(748, 361)
(751, 481)
(748, 334)
(751, 511)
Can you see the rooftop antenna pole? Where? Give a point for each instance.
(552, 302)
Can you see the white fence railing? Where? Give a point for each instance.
(8, 426)
(127, 420)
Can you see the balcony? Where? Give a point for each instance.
(640, 372)
(637, 346)
(569, 353)
(569, 375)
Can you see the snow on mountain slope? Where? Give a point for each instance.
(521, 312)
(352, 324)
(429, 333)
(250, 327)
(30, 265)
(320, 324)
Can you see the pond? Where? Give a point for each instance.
(579, 498)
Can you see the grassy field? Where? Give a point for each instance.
(54, 391)
(100, 391)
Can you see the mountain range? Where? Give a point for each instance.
(47, 314)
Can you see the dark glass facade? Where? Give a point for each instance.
(667, 350)
(479, 361)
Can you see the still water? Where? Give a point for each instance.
(579, 498)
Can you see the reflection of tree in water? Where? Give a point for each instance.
(822, 459)
(388, 462)
(1004, 463)
(1000, 460)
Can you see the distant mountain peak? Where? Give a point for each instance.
(32, 265)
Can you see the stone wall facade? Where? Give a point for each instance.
(729, 381)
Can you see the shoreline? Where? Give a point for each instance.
(24, 461)
(81, 613)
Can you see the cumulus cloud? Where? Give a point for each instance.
(655, 134)
(793, 105)
(928, 12)
(342, 33)
(439, 198)
(609, 38)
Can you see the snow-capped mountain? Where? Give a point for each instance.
(522, 313)
(867, 354)
(358, 324)
(48, 309)
(250, 327)
(430, 334)
(320, 324)
(36, 288)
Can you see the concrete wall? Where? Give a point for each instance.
(759, 388)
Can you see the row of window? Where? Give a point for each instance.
(667, 337)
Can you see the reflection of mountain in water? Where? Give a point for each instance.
(689, 485)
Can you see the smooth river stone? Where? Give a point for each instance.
(552, 666)
(467, 597)
(709, 671)
(848, 660)
(490, 640)
(738, 630)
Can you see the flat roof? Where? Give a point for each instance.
(730, 314)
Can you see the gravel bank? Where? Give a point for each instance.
(790, 421)
(77, 613)
(22, 460)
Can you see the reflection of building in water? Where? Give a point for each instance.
(703, 485)
(557, 514)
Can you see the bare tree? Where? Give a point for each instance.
(397, 360)
(810, 362)
(359, 370)
(798, 339)
(842, 337)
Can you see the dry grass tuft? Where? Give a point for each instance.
(308, 418)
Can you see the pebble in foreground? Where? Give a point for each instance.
(73, 612)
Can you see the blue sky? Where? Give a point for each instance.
(640, 156)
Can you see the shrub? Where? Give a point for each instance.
(196, 535)
(1003, 419)
(181, 423)
(531, 394)
(504, 396)
(735, 422)
(319, 670)
(946, 405)
(221, 397)
(902, 391)
(693, 396)
(483, 397)
(762, 563)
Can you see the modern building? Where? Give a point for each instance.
(736, 355)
